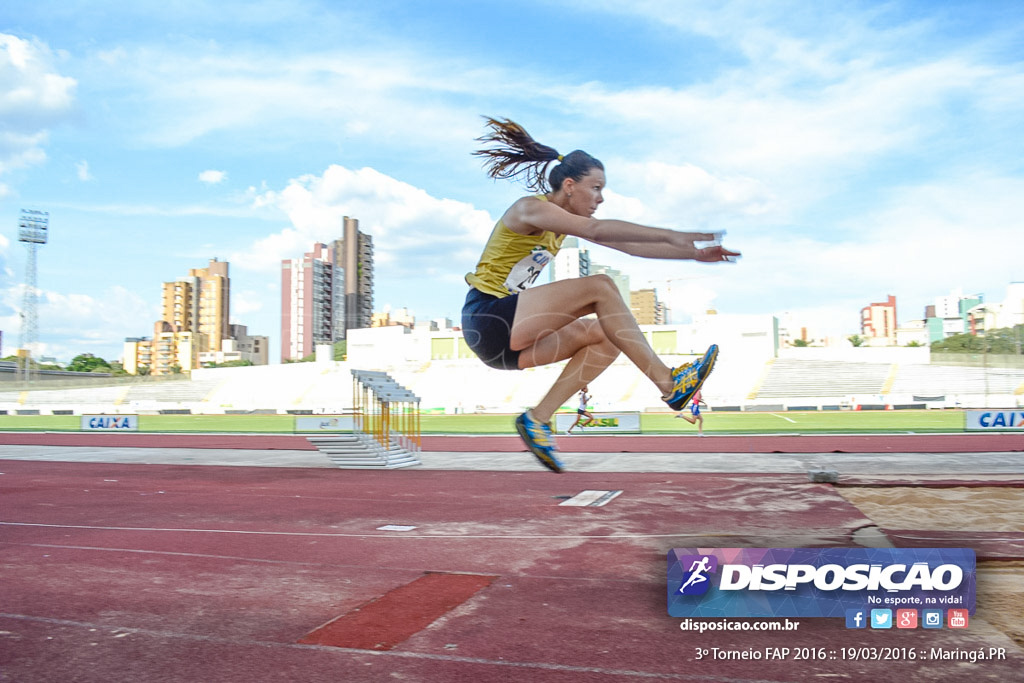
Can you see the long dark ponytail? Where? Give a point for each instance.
(515, 153)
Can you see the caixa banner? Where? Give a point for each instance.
(817, 582)
(994, 420)
(110, 423)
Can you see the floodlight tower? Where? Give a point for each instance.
(32, 230)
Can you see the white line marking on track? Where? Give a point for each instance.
(402, 537)
(206, 556)
(375, 653)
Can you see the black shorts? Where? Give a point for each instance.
(487, 328)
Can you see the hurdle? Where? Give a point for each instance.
(385, 411)
(385, 426)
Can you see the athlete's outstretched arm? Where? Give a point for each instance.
(673, 247)
(530, 215)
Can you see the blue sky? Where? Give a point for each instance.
(851, 149)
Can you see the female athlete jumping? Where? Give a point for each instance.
(510, 325)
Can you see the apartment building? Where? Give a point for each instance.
(312, 302)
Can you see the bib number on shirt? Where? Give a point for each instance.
(525, 273)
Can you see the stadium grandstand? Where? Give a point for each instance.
(740, 382)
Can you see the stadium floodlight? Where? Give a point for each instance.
(33, 228)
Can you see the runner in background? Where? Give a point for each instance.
(582, 412)
(695, 416)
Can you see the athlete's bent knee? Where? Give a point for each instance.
(604, 287)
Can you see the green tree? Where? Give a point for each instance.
(231, 364)
(856, 340)
(801, 343)
(1004, 340)
(86, 362)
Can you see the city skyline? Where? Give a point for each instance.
(851, 153)
(790, 328)
(900, 321)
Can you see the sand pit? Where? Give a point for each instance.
(980, 508)
(960, 509)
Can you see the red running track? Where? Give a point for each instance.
(146, 573)
(639, 443)
(755, 443)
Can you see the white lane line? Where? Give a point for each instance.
(402, 537)
(117, 632)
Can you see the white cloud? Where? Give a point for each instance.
(21, 150)
(33, 98)
(916, 243)
(70, 324)
(266, 254)
(82, 169)
(806, 99)
(962, 231)
(841, 148)
(245, 301)
(190, 91)
(684, 196)
(411, 229)
(796, 140)
(31, 87)
(211, 177)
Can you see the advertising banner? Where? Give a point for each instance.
(603, 423)
(995, 420)
(324, 423)
(110, 423)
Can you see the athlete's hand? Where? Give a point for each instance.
(716, 254)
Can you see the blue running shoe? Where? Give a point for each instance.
(539, 440)
(689, 378)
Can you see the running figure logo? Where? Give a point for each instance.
(696, 581)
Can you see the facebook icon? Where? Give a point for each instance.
(855, 618)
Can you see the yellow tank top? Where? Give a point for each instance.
(511, 262)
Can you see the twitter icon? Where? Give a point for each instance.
(881, 618)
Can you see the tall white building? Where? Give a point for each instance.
(948, 315)
(1012, 312)
(312, 302)
(571, 261)
(992, 316)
